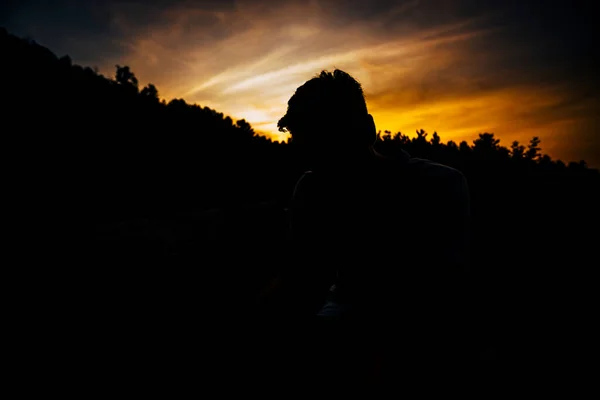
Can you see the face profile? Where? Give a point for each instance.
(328, 120)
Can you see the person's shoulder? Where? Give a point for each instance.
(305, 179)
(304, 184)
(434, 169)
(413, 167)
(437, 179)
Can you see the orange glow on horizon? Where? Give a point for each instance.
(413, 78)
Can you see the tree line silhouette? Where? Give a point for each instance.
(187, 205)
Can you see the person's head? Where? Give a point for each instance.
(327, 117)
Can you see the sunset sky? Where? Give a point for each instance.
(514, 68)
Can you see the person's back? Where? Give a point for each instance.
(395, 230)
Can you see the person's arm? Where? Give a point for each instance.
(302, 281)
(454, 223)
(447, 194)
(460, 243)
(309, 274)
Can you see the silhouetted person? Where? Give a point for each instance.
(391, 234)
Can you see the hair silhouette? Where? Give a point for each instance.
(329, 111)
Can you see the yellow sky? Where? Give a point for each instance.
(246, 62)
